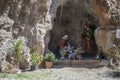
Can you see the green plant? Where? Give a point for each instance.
(36, 58)
(49, 57)
(115, 52)
(17, 51)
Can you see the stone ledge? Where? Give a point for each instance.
(80, 63)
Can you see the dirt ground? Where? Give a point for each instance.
(67, 73)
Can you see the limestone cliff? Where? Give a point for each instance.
(29, 19)
(34, 19)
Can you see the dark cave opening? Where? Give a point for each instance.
(71, 21)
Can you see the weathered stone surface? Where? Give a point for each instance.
(34, 19)
(105, 39)
(81, 63)
(105, 9)
(28, 19)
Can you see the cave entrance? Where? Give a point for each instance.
(70, 19)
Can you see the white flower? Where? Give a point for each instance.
(114, 45)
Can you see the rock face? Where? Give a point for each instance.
(29, 19)
(33, 20)
(105, 42)
(109, 14)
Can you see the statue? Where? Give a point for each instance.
(87, 36)
(62, 43)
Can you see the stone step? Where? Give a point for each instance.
(80, 63)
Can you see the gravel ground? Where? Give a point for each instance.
(73, 74)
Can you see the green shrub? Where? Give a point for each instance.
(49, 57)
(36, 58)
(115, 52)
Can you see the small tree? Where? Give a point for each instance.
(17, 52)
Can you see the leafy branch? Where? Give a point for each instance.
(17, 51)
